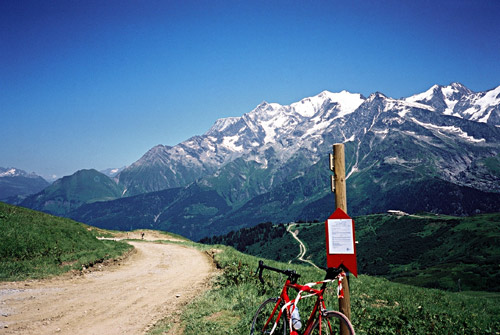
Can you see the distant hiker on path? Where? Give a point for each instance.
(142, 235)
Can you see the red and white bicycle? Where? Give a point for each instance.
(276, 315)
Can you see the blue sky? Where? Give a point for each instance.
(95, 84)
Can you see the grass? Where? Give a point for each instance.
(37, 245)
(433, 251)
(378, 305)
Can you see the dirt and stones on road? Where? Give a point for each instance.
(155, 281)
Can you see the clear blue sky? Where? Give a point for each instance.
(95, 84)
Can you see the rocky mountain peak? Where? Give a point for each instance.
(15, 184)
(455, 91)
(221, 125)
(153, 156)
(272, 135)
(15, 172)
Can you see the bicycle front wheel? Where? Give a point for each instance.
(330, 324)
(263, 323)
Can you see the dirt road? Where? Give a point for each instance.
(155, 281)
(303, 249)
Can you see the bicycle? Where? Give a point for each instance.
(269, 316)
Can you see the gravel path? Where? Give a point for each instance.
(155, 281)
(303, 249)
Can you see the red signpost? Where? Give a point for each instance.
(340, 242)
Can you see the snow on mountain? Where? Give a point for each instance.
(13, 172)
(424, 96)
(348, 102)
(273, 135)
(452, 130)
(459, 101)
(8, 173)
(221, 125)
(442, 98)
(483, 107)
(270, 127)
(15, 184)
(270, 121)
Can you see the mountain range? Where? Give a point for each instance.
(437, 151)
(71, 192)
(272, 136)
(16, 184)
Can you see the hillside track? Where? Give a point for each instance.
(154, 282)
(303, 249)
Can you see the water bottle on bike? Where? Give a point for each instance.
(269, 316)
(296, 323)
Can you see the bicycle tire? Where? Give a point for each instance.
(330, 324)
(261, 316)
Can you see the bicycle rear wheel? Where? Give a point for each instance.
(261, 318)
(330, 324)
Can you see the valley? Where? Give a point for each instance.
(155, 154)
(157, 289)
(244, 180)
(437, 151)
(445, 252)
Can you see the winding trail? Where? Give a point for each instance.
(303, 249)
(154, 282)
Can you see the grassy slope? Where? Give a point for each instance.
(378, 305)
(427, 250)
(261, 240)
(37, 245)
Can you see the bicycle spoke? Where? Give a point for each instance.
(330, 324)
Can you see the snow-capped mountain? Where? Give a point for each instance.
(15, 184)
(277, 142)
(13, 172)
(457, 100)
(271, 134)
(428, 152)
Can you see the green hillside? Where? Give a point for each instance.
(378, 306)
(452, 253)
(186, 211)
(70, 192)
(37, 245)
(376, 190)
(264, 240)
(216, 205)
(18, 187)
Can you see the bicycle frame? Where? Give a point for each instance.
(290, 305)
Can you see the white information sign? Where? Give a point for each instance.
(340, 236)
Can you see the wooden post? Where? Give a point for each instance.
(341, 202)
(339, 171)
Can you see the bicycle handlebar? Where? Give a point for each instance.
(291, 274)
(331, 273)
